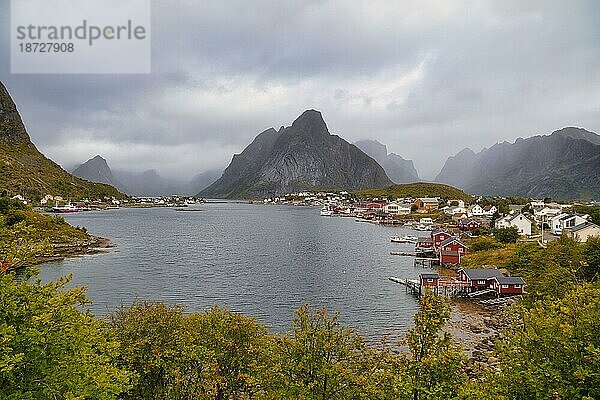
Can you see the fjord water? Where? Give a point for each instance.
(263, 261)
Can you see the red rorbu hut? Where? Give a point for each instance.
(429, 279)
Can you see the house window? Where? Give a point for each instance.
(429, 280)
(460, 249)
(517, 286)
(481, 282)
(504, 286)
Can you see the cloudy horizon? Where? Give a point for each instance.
(426, 78)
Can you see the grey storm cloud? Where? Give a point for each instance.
(427, 78)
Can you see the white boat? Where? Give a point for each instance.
(326, 212)
(404, 239)
(69, 208)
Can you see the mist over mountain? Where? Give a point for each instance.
(96, 169)
(26, 171)
(563, 165)
(398, 169)
(146, 183)
(299, 157)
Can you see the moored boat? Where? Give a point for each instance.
(326, 212)
(69, 208)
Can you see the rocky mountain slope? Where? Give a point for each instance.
(96, 169)
(300, 157)
(563, 165)
(26, 171)
(398, 169)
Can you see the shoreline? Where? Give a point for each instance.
(93, 245)
(475, 328)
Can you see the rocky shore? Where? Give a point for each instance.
(91, 245)
(476, 329)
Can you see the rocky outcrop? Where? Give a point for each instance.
(303, 156)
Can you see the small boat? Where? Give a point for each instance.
(404, 239)
(326, 212)
(69, 208)
(112, 207)
(360, 220)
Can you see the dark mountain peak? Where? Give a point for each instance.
(578, 133)
(96, 169)
(12, 128)
(310, 122)
(303, 156)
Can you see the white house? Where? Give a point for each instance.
(397, 208)
(563, 221)
(452, 210)
(456, 203)
(584, 231)
(519, 221)
(475, 211)
(546, 213)
(490, 210)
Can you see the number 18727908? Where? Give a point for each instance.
(43, 47)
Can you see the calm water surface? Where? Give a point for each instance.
(263, 261)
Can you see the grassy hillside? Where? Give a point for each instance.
(419, 189)
(26, 171)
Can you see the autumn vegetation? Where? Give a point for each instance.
(51, 347)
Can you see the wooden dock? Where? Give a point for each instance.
(446, 288)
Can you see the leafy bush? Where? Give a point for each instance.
(50, 348)
(484, 243)
(506, 235)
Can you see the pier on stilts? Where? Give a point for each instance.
(446, 288)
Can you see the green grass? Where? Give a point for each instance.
(25, 171)
(419, 189)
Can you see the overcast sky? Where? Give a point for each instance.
(427, 78)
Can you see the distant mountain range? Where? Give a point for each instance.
(147, 183)
(300, 157)
(563, 165)
(397, 168)
(26, 171)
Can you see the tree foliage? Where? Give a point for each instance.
(506, 235)
(435, 365)
(553, 350)
(50, 349)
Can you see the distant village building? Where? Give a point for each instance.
(427, 204)
(397, 208)
(456, 203)
(583, 231)
(564, 221)
(489, 210)
(453, 210)
(475, 211)
(519, 221)
(468, 224)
